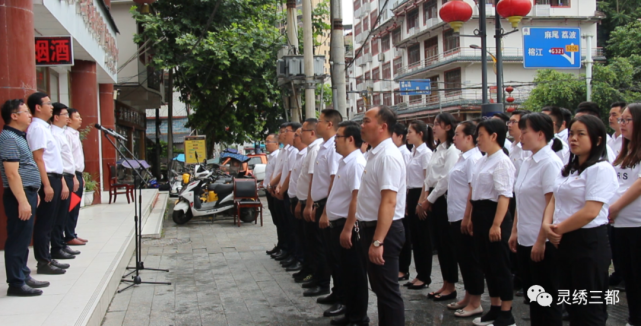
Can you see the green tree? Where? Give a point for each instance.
(555, 88)
(320, 25)
(617, 13)
(224, 63)
(625, 40)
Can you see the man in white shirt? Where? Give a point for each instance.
(325, 168)
(296, 253)
(303, 188)
(517, 155)
(46, 153)
(59, 120)
(561, 118)
(299, 223)
(271, 145)
(344, 248)
(73, 137)
(616, 141)
(279, 214)
(398, 137)
(380, 208)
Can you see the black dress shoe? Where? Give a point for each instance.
(277, 253)
(286, 262)
(304, 279)
(311, 283)
(49, 269)
(282, 256)
(335, 310)
(295, 267)
(408, 284)
(316, 291)
(330, 299)
(404, 277)
(274, 250)
(340, 321)
(450, 296)
(417, 287)
(36, 284)
(61, 254)
(70, 251)
(23, 291)
(300, 274)
(59, 264)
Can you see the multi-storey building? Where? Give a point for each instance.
(411, 41)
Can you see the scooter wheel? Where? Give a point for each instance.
(180, 217)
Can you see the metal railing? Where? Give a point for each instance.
(464, 96)
(364, 10)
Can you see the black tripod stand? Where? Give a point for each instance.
(138, 182)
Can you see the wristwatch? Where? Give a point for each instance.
(376, 243)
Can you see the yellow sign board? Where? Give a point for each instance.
(195, 149)
(572, 48)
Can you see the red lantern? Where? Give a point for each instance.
(509, 89)
(514, 10)
(456, 13)
(510, 109)
(510, 99)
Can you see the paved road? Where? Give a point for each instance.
(221, 276)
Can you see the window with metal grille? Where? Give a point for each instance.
(554, 3)
(376, 74)
(387, 71)
(357, 29)
(367, 76)
(412, 19)
(429, 10)
(450, 41)
(453, 82)
(414, 54)
(365, 24)
(385, 46)
(431, 49)
(360, 106)
(387, 99)
(398, 64)
(372, 18)
(375, 47)
(357, 4)
(366, 48)
(398, 98)
(396, 36)
(376, 99)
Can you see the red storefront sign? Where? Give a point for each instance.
(54, 51)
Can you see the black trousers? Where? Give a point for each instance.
(16, 248)
(354, 276)
(584, 259)
(57, 235)
(298, 230)
(444, 243)
(421, 237)
(617, 274)
(331, 238)
(46, 215)
(384, 279)
(279, 219)
(629, 252)
(405, 259)
(494, 256)
(546, 274)
(322, 272)
(274, 213)
(468, 260)
(309, 263)
(290, 229)
(72, 218)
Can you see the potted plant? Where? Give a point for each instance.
(90, 187)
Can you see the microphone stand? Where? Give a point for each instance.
(135, 279)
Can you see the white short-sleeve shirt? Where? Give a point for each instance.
(385, 170)
(538, 176)
(563, 136)
(458, 185)
(73, 136)
(416, 166)
(517, 156)
(272, 159)
(347, 179)
(493, 177)
(406, 153)
(325, 166)
(564, 153)
(66, 153)
(630, 216)
(306, 170)
(596, 183)
(437, 170)
(615, 143)
(295, 173)
(288, 164)
(39, 137)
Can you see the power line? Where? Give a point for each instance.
(371, 30)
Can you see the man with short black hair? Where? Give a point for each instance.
(73, 137)
(299, 223)
(279, 217)
(271, 145)
(21, 180)
(46, 154)
(380, 208)
(616, 141)
(398, 137)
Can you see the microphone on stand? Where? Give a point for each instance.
(110, 132)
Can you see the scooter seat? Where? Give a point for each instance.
(221, 188)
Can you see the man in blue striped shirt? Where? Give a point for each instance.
(21, 180)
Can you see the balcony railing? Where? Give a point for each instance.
(432, 22)
(463, 96)
(357, 12)
(364, 10)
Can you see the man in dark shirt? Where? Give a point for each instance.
(21, 180)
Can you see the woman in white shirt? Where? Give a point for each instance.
(434, 203)
(537, 258)
(625, 209)
(492, 186)
(576, 219)
(421, 137)
(458, 210)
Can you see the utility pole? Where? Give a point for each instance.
(338, 59)
(588, 66)
(293, 101)
(482, 35)
(170, 120)
(499, 56)
(308, 59)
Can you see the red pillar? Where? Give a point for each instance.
(108, 120)
(84, 98)
(17, 64)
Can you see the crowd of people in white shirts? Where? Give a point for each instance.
(552, 207)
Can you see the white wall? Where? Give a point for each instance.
(126, 46)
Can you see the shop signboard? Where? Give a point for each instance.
(54, 51)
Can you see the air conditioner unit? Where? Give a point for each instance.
(398, 52)
(411, 31)
(542, 10)
(381, 57)
(368, 57)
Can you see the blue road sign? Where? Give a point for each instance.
(416, 87)
(552, 47)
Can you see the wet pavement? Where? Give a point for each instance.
(221, 275)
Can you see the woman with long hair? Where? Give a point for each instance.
(576, 218)
(433, 203)
(536, 258)
(492, 186)
(625, 209)
(420, 136)
(458, 214)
